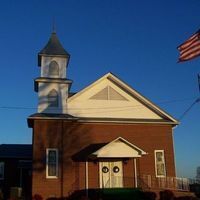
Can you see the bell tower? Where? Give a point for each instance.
(52, 85)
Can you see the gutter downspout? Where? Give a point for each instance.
(135, 171)
(61, 160)
(86, 177)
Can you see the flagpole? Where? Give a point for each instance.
(198, 99)
(198, 76)
(189, 50)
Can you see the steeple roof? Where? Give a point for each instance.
(53, 48)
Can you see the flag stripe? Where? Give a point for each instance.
(190, 56)
(194, 43)
(192, 53)
(190, 48)
(189, 41)
(190, 38)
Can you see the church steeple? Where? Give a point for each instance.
(52, 85)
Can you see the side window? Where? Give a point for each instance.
(53, 68)
(51, 163)
(160, 163)
(53, 98)
(1, 170)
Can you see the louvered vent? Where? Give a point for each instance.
(108, 93)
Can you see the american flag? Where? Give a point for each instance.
(190, 48)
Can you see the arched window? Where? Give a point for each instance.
(53, 98)
(53, 68)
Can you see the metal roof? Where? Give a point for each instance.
(52, 115)
(53, 48)
(41, 116)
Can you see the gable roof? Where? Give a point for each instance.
(23, 151)
(53, 48)
(130, 91)
(119, 148)
(94, 150)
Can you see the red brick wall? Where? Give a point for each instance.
(73, 137)
(128, 173)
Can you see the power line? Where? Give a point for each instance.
(189, 108)
(16, 108)
(92, 108)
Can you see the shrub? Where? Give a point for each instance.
(37, 197)
(166, 195)
(1, 195)
(149, 195)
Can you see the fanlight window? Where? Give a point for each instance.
(53, 68)
(53, 98)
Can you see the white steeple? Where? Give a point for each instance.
(52, 85)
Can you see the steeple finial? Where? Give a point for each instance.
(54, 26)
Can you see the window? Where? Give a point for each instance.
(53, 68)
(52, 163)
(160, 163)
(53, 98)
(1, 170)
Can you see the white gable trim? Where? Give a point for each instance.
(119, 148)
(142, 98)
(88, 87)
(130, 91)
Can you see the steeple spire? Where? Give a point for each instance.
(53, 48)
(54, 25)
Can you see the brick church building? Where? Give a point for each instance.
(105, 136)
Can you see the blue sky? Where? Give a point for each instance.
(136, 40)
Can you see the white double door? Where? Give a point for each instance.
(111, 174)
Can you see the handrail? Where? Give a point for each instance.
(174, 183)
(144, 182)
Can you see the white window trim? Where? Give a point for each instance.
(3, 164)
(156, 163)
(47, 153)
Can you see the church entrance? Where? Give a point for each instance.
(111, 174)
